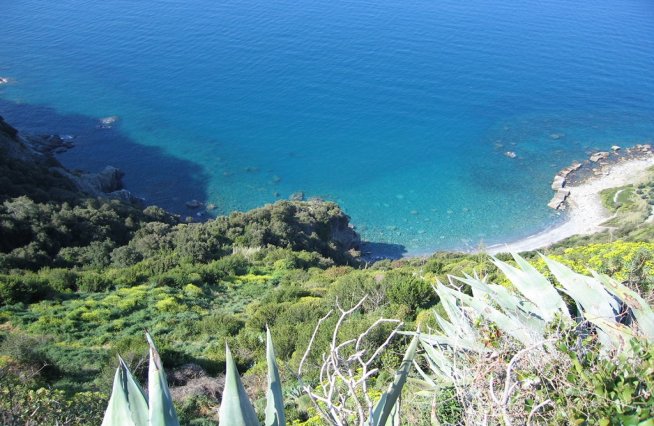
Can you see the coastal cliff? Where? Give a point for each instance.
(29, 159)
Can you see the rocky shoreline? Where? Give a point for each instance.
(585, 213)
(598, 164)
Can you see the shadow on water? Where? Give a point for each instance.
(377, 251)
(150, 173)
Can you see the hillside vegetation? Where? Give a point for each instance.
(81, 277)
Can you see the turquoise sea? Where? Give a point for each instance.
(399, 110)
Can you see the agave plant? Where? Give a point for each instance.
(457, 353)
(128, 405)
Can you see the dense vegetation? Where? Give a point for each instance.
(81, 277)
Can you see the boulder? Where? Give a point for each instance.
(108, 122)
(558, 182)
(599, 156)
(558, 199)
(194, 204)
(110, 179)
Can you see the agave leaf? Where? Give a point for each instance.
(453, 342)
(162, 411)
(385, 406)
(274, 399)
(640, 308)
(457, 318)
(127, 405)
(535, 287)
(427, 382)
(618, 334)
(513, 305)
(438, 362)
(235, 407)
(510, 324)
(394, 417)
(587, 292)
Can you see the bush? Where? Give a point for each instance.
(405, 289)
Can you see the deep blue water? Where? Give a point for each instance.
(398, 110)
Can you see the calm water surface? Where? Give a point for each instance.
(401, 111)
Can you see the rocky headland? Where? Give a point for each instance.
(39, 150)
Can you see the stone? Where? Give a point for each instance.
(558, 182)
(194, 204)
(599, 156)
(559, 198)
(557, 136)
(510, 154)
(108, 122)
(615, 148)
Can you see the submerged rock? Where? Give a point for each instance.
(557, 136)
(108, 122)
(194, 204)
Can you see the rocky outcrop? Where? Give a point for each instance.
(39, 150)
(558, 182)
(343, 233)
(561, 178)
(559, 199)
(108, 182)
(598, 156)
(7, 129)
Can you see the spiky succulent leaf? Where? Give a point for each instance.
(127, 405)
(438, 362)
(534, 286)
(508, 323)
(453, 342)
(457, 317)
(235, 407)
(274, 399)
(514, 306)
(640, 308)
(382, 411)
(162, 411)
(588, 292)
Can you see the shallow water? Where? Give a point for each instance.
(401, 111)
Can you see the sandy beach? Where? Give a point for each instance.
(585, 213)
